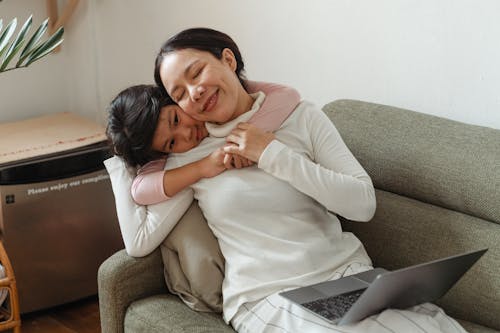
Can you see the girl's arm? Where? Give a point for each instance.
(147, 187)
(143, 228)
(279, 103)
(150, 185)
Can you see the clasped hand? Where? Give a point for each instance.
(248, 141)
(245, 145)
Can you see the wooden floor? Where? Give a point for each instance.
(77, 317)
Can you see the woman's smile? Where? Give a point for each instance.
(211, 102)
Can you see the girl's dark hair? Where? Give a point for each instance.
(202, 39)
(132, 119)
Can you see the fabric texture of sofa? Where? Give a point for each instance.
(438, 192)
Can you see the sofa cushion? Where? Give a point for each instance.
(167, 314)
(432, 159)
(474, 328)
(194, 265)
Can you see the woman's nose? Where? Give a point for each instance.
(196, 92)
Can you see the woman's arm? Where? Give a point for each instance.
(334, 177)
(143, 228)
(331, 174)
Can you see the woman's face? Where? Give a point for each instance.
(176, 132)
(205, 87)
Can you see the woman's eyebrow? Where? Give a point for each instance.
(191, 65)
(185, 73)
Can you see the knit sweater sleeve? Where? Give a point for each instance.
(330, 173)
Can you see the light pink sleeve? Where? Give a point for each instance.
(279, 104)
(147, 187)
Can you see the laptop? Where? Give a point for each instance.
(355, 297)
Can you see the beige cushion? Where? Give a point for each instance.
(194, 266)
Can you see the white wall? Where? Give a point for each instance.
(434, 56)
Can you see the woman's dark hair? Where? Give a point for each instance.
(202, 39)
(132, 119)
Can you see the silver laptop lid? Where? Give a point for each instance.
(410, 286)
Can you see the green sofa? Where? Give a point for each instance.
(438, 194)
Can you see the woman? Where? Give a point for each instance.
(273, 221)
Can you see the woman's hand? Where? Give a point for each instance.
(248, 141)
(236, 161)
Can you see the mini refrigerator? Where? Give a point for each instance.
(58, 223)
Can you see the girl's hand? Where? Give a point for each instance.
(213, 164)
(218, 161)
(248, 141)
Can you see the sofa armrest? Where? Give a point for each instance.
(122, 279)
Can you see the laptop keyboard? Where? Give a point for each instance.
(333, 308)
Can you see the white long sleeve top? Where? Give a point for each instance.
(275, 222)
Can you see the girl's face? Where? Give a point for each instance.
(176, 132)
(205, 87)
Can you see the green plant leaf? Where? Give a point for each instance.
(17, 43)
(33, 42)
(54, 41)
(1, 24)
(45, 52)
(7, 33)
(9, 57)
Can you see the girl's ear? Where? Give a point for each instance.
(229, 58)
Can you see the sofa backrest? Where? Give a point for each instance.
(438, 194)
(457, 165)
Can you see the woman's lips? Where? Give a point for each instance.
(210, 103)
